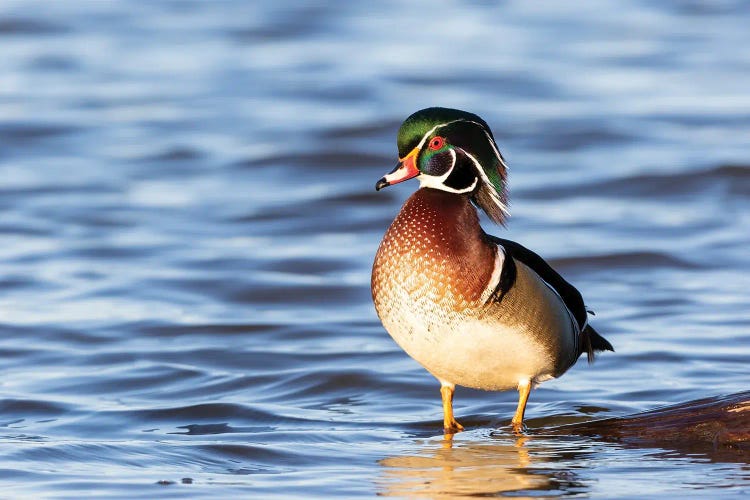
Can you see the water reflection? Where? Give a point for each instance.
(485, 465)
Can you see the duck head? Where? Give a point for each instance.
(454, 151)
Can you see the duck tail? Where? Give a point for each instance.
(592, 342)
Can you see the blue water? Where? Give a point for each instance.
(188, 220)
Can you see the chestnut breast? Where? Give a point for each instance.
(435, 247)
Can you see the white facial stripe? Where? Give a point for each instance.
(453, 162)
(437, 182)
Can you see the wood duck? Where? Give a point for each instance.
(473, 309)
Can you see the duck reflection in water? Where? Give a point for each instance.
(486, 467)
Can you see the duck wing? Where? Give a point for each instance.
(591, 341)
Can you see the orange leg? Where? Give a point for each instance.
(524, 389)
(450, 425)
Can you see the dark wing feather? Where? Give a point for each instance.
(570, 296)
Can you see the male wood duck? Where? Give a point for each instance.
(473, 309)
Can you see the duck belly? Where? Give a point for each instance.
(474, 353)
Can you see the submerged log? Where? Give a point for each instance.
(719, 422)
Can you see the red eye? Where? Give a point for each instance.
(436, 143)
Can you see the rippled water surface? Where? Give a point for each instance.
(188, 219)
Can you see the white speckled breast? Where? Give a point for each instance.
(432, 275)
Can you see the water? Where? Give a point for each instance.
(188, 219)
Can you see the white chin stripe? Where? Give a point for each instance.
(437, 183)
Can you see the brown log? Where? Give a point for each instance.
(721, 422)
